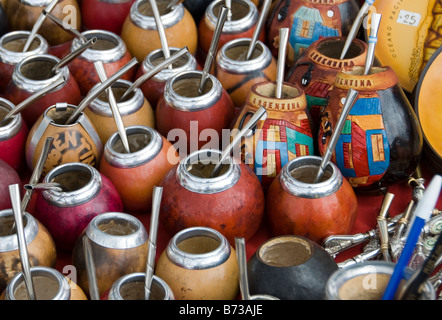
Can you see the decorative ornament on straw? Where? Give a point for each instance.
(149, 74)
(97, 91)
(383, 226)
(160, 28)
(372, 39)
(259, 25)
(14, 193)
(355, 26)
(421, 215)
(90, 267)
(38, 24)
(33, 98)
(253, 120)
(114, 107)
(156, 203)
(65, 26)
(349, 101)
(283, 38)
(213, 47)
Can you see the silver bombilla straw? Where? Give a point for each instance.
(38, 24)
(372, 39)
(114, 107)
(213, 47)
(97, 91)
(283, 37)
(149, 74)
(73, 55)
(160, 28)
(355, 26)
(65, 26)
(349, 101)
(53, 186)
(156, 204)
(90, 267)
(240, 246)
(253, 120)
(383, 226)
(259, 25)
(33, 98)
(228, 4)
(14, 193)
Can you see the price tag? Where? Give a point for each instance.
(408, 18)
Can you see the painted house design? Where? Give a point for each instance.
(279, 142)
(316, 96)
(363, 152)
(307, 27)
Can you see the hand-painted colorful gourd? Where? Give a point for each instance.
(315, 71)
(308, 20)
(409, 34)
(11, 53)
(285, 134)
(381, 141)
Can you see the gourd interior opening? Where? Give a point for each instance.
(118, 90)
(198, 244)
(134, 290)
(60, 116)
(6, 224)
(239, 52)
(45, 286)
(333, 49)
(17, 43)
(269, 90)
(38, 70)
(359, 70)
(104, 41)
(239, 9)
(188, 87)
(307, 174)
(285, 252)
(356, 288)
(203, 169)
(73, 179)
(146, 9)
(158, 57)
(137, 141)
(117, 227)
(3, 112)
